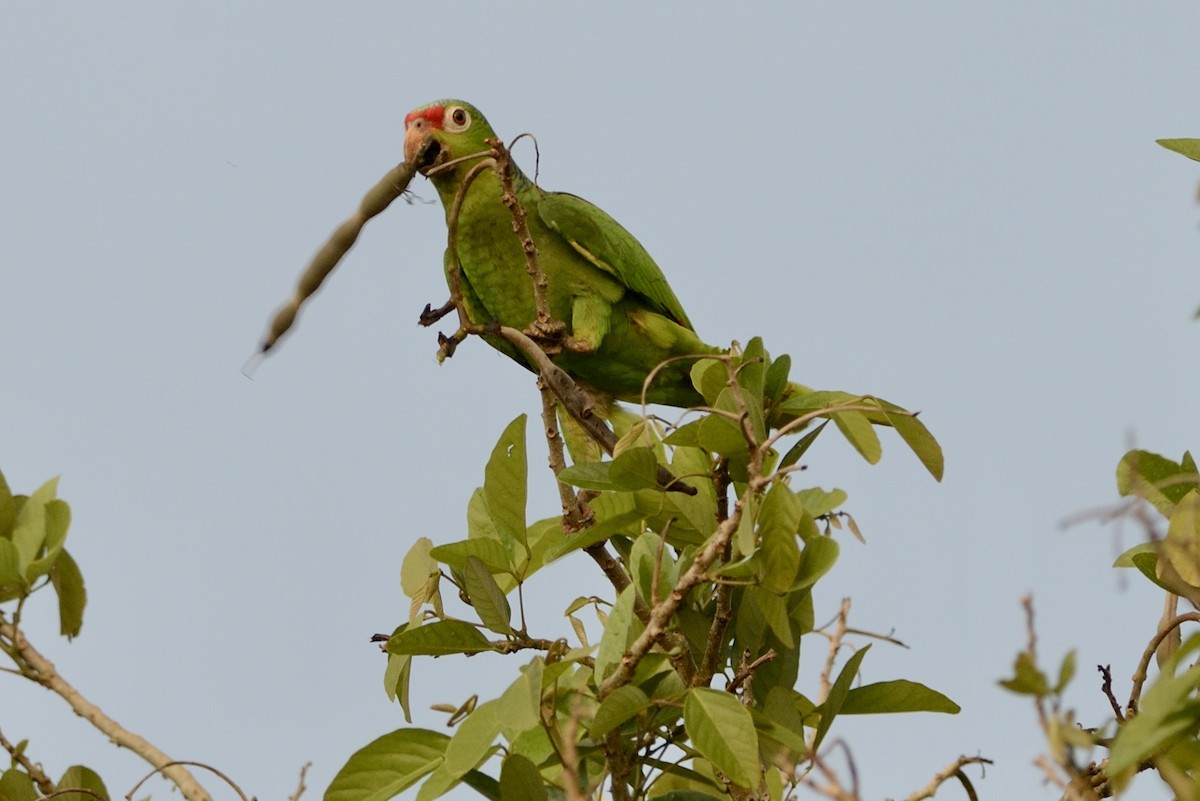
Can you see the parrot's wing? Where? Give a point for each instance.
(602, 241)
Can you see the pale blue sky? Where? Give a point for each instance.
(959, 207)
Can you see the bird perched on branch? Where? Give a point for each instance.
(621, 318)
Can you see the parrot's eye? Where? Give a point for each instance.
(457, 119)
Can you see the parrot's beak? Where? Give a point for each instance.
(421, 148)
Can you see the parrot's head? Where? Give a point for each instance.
(444, 130)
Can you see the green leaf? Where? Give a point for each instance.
(1127, 559)
(917, 437)
(619, 630)
(1027, 679)
(785, 736)
(723, 731)
(479, 521)
(29, 528)
(486, 596)
(718, 434)
(817, 501)
(72, 595)
(634, 469)
(1159, 480)
(1144, 557)
(709, 377)
(801, 447)
(1184, 147)
(817, 559)
(397, 677)
(856, 428)
(622, 523)
(17, 786)
(751, 373)
(388, 766)
(78, 776)
(1066, 672)
(504, 483)
(520, 780)
(776, 379)
(689, 795)
(837, 695)
(57, 518)
(439, 638)
(483, 784)
(491, 552)
(521, 703)
(648, 549)
(1182, 545)
(888, 697)
(621, 705)
(778, 523)
(417, 566)
(474, 739)
(12, 577)
(439, 782)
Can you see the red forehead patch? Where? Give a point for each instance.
(433, 115)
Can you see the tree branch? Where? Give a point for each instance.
(42, 670)
(43, 782)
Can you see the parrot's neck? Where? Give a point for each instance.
(485, 187)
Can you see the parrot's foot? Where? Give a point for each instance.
(578, 345)
(448, 344)
(553, 338)
(430, 315)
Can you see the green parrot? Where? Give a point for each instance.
(622, 319)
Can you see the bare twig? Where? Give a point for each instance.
(953, 770)
(1143, 668)
(69, 791)
(746, 672)
(505, 170)
(206, 766)
(1106, 688)
(301, 787)
(41, 670)
(570, 760)
(835, 645)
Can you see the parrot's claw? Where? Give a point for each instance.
(430, 315)
(446, 347)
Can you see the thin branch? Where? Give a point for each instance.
(953, 770)
(835, 645)
(578, 402)
(661, 614)
(1143, 668)
(1106, 688)
(70, 790)
(42, 670)
(35, 772)
(504, 169)
(176, 763)
(570, 760)
(301, 787)
(747, 672)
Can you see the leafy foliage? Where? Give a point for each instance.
(33, 556)
(715, 585)
(1159, 728)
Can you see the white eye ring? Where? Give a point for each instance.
(457, 119)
